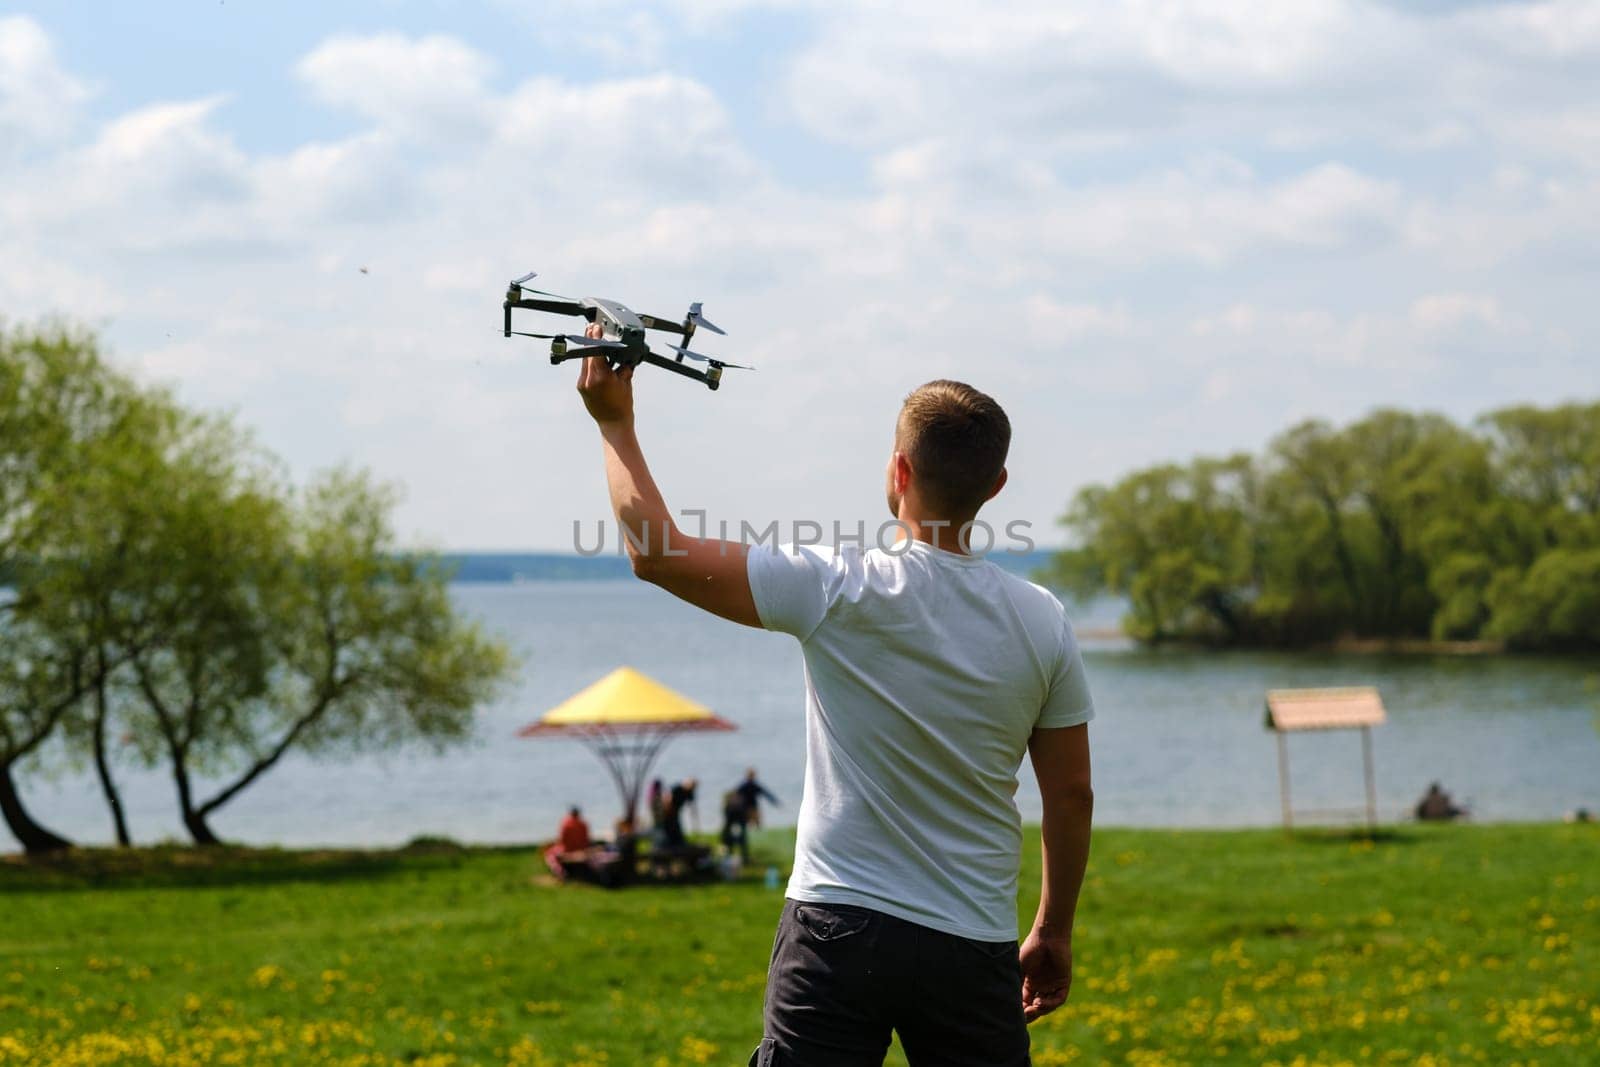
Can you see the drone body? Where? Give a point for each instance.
(622, 333)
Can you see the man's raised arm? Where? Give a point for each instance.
(1061, 764)
(708, 573)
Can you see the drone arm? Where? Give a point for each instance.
(711, 378)
(656, 322)
(555, 307)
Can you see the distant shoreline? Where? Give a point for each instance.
(1411, 646)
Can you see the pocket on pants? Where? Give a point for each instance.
(830, 924)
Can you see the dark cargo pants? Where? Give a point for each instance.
(843, 977)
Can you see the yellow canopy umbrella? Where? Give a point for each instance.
(627, 719)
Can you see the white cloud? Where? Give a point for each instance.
(433, 87)
(1054, 70)
(1080, 78)
(167, 150)
(1025, 221)
(663, 135)
(38, 100)
(161, 177)
(1552, 30)
(1448, 311)
(1070, 322)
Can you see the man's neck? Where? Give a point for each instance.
(940, 533)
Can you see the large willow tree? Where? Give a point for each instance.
(1399, 525)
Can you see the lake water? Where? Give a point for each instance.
(1178, 740)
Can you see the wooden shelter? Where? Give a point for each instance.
(1295, 710)
(626, 718)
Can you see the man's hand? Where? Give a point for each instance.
(1046, 975)
(608, 394)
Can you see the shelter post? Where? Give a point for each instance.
(1372, 787)
(1283, 780)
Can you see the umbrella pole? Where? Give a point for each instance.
(629, 765)
(606, 750)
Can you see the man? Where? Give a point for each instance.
(1436, 805)
(751, 792)
(741, 809)
(928, 673)
(672, 812)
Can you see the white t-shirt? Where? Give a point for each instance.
(926, 672)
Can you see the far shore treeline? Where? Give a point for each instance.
(1397, 527)
(168, 598)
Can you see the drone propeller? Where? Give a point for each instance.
(571, 339)
(518, 283)
(590, 342)
(708, 359)
(700, 320)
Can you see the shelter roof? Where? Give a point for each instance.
(1324, 709)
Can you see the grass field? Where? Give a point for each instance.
(1443, 945)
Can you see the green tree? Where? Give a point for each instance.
(1412, 472)
(295, 624)
(1547, 461)
(1312, 482)
(1398, 525)
(1556, 604)
(1177, 541)
(1460, 583)
(1547, 465)
(58, 399)
(102, 523)
(163, 582)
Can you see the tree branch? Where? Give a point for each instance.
(157, 705)
(265, 763)
(53, 713)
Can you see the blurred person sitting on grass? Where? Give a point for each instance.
(571, 845)
(1437, 806)
(930, 672)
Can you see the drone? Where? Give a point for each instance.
(622, 342)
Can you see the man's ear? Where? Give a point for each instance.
(901, 473)
(999, 484)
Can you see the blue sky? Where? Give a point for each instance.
(1150, 229)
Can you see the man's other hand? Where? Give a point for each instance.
(608, 394)
(1046, 975)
